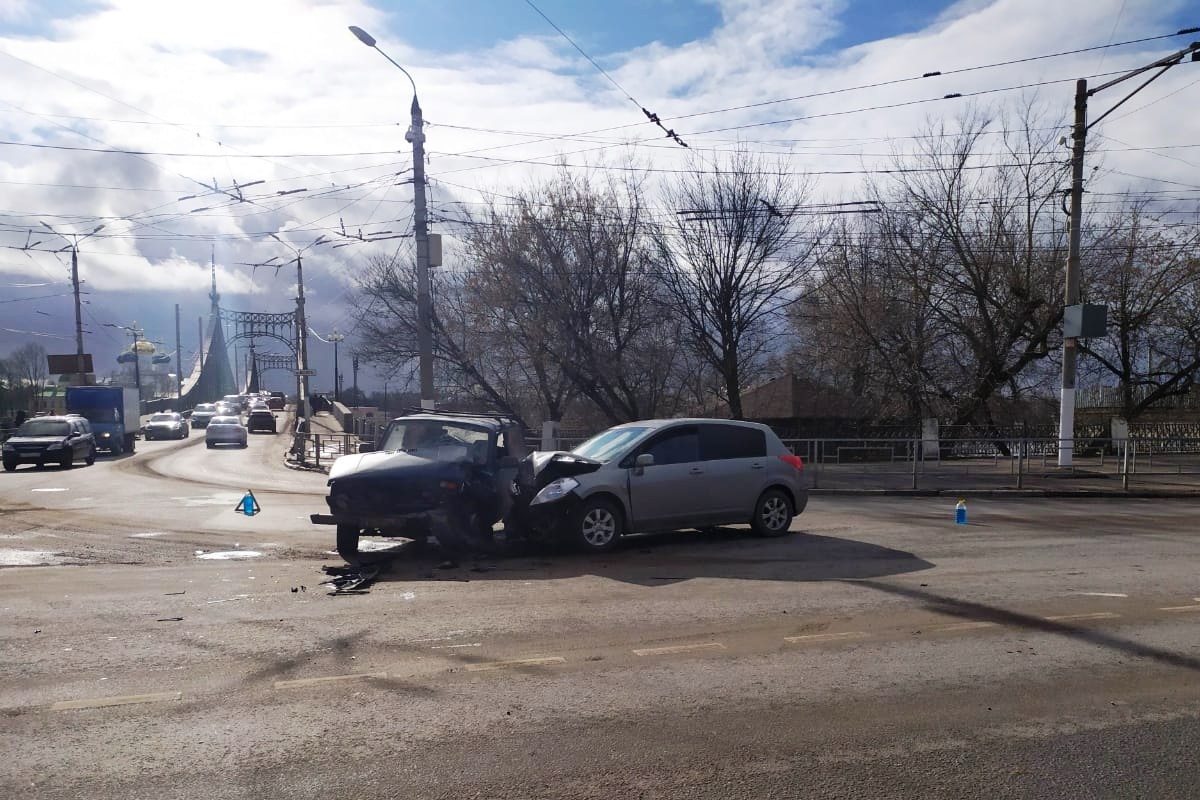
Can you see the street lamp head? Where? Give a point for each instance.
(363, 36)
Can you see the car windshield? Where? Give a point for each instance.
(164, 418)
(224, 421)
(205, 408)
(609, 444)
(443, 440)
(44, 427)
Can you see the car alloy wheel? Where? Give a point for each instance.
(597, 525)
(772, 514)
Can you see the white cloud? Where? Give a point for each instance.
(217, 81)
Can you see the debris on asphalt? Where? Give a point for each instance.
(169, 619)
(350, 580)
(168, 594)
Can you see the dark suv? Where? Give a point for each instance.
(433, 474)
(51, 440)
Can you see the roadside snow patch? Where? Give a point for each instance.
(31, 558)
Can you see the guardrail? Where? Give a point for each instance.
(1012, 463)
(316, 449)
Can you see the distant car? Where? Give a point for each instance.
(44, 440)
(202, 413)
(261, 419)
(227, 409)
(225, 430)
(660, 475)
(166, 425)
(276, 403)
(236, 401)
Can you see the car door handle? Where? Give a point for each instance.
(695, 471)
(756, 466)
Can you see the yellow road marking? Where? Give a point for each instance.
(1180, 608)
(125, 700)
(961, 626)
(679, 648)
(328, 679)
(519, 662)
(825, 637)
(1094, 615)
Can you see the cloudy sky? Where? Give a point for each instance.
(191, 131)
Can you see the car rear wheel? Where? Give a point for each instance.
(347, 543)
(209, 445)
(116, 449)
(68, 459)
(9, 466)
(596, 525)
(91, 457)
(772, 514)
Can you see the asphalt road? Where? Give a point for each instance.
(1047, 649)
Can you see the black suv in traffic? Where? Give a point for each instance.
(51, 440)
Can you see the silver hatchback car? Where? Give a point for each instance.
(660, 475)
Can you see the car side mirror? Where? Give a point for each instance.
(644, 460)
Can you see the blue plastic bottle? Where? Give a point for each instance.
(960, 513)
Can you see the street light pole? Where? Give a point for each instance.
(416, 137)
(1066, 411)
(336, 337)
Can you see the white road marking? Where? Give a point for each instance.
(1180, 608)
(50, 490)
(520, 662)
(230, 555)
(1094, 615)
(103, 702)
(961, 626)
(1103, 594)
(826, 637)
(679, 648)
(454, 646)
(358, 676)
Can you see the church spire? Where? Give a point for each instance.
(216, 298)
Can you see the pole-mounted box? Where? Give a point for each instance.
(1085, 321)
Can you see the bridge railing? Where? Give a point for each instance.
(320, 449)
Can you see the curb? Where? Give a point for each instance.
(1076, 494)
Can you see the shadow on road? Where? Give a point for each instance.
(981, 612)
(664, 558)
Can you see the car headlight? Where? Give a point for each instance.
(8, 448)
(555, 490)
(105, 435)
(55, 446)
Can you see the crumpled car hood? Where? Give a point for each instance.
(374, 464)
(549, 465)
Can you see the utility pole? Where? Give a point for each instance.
(416, 137)
(356, 379)
(80, 373)
(1066, 412)
(178, 359)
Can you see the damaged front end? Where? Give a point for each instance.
(543, 493)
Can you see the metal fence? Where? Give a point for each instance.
(320, 449)
(1012, 463)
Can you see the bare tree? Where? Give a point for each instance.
(26, 372)
(733, 259)
(387, 328)
(565, 268)
(1151, 283)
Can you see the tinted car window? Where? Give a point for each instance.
(676, 446)
(731, 441)
(38, 427)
